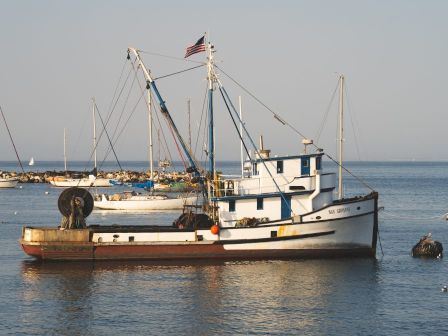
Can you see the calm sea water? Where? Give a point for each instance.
(392, 295)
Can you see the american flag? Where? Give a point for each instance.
(196, 48)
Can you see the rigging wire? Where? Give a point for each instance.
(12, 141)
(284, 122)
(118, 97)
(116, 87)
(125, 102)
(124, 126)
(352, 123)
(234, 122)
(276, 116)
(170, 128)
(170, 57)
(110, 142)
(163, 145)
(324, 120)
(200, 121)
(104, 130)
(381, 245)
(179, 72)
(253, 144)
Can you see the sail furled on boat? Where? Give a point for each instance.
(198, 47)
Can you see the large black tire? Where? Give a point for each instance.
(67, 195)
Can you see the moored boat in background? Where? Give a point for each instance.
(8, 182)
(131, 200)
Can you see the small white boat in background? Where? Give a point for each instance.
(130, 200)
(8, 182)
(31, 163)
(91, 181)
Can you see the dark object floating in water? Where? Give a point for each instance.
(427, 247)
(444, 289)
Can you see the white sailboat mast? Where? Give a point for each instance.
(151, 158)
(341, 133)
(94, 133)
(241, 136)
(211, 127)
(189, 122)
(65, 154)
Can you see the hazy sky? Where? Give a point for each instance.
(56, 55)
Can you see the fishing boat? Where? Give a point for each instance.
(282, 207)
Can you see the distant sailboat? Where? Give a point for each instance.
(31, 163)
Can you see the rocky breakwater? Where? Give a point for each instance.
(124, 176)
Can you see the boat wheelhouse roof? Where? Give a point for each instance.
(283, 158)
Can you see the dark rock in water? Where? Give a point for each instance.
(427, 247)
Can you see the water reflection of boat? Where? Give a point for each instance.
(284, 207)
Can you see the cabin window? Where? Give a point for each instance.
(279, 167)
(318, 163)
(305, 166)
(232, 206)
(255, 168)
(260, 203)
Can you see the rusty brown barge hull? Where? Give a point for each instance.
(55, 244)
(175, 252)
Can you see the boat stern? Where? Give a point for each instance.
(57, 244)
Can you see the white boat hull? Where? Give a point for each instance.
(146, 203)
(85, 182)
(8, 182)
(344, 235)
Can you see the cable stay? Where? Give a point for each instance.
(194, 165)
(179, 72)
(108, 138)
(258, 154)
(286, 123)
(12, 141)
(170, 57)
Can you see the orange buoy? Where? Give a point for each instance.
(214, 229)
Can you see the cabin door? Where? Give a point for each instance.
(286, 207)
(305, 166)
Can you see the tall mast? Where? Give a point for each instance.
(158, 146)
(211, 135)
(341, 133)
(189, 122)
(151, 84)
(151, 158)
(241, 136)
(65, 156)
(94, 133)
